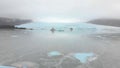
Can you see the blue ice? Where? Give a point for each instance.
(83, 57)
(6, 67)
(54, 53)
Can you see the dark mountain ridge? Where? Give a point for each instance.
(11, 22)
(109, 22)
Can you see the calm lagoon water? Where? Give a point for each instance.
(86, 46)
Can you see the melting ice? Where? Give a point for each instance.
(83, 57)
(54, 53)
(6, 67)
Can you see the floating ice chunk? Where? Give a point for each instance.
(54, 53)
(83, 57)
(92, 58)
(25, 64)
(15, 36)
(6, 67)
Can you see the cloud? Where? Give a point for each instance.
(59, 20)
(83, 9)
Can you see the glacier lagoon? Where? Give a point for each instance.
(63, 48)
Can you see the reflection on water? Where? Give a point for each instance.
(14, 36)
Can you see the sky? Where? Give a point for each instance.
(60, 9)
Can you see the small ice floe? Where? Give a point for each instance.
(92, 58)
(6, 67)
(14, 36)
(84, 57)
(98, 36)
(54, 53)
(25, 64)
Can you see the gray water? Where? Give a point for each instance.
(96, 47)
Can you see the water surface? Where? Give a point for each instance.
(41, 48)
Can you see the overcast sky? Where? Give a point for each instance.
(79, 9)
